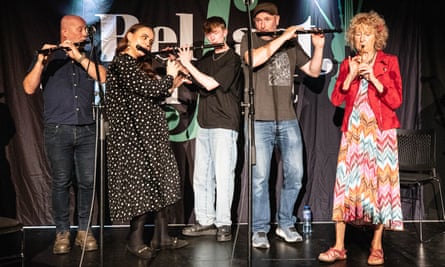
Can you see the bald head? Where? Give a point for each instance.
(72, 28)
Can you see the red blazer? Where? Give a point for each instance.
(386, 70)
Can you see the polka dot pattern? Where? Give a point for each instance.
(141, 168)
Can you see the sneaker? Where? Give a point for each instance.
(289, 234)
(259, 240)
(224, 233)
(199, 230)
(62, 243)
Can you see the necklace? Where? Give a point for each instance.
(216, 56)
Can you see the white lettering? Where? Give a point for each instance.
(163, 35)
(109, 34)
(185, 28)
(166, 35)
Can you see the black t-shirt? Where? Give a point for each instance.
(220, 107)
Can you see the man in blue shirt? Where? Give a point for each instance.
(66, 79)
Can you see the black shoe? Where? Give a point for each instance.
(143, 252)
(224, 233)
(199, 230)
(173, 243)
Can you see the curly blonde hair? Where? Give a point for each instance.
(373, 20)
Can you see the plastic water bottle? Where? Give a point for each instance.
(307, 220)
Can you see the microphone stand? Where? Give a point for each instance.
(249, 115)
(100, 121)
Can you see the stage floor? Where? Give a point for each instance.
(401, 249)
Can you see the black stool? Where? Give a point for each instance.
(11, 241)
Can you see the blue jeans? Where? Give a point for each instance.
(215, 162)
(287, 137)
(71, 153)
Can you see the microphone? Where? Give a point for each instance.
(90, 29)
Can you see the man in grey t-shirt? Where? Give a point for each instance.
(274, 59)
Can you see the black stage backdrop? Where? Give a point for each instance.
(416, 36)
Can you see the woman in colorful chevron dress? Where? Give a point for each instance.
(367, 189)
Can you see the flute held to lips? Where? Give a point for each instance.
(306, 31)
(48, 51)
(175, 50)
(149, 55)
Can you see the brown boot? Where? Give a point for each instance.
(86, 241)
(62, 243)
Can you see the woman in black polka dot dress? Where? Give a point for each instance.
(143, 175)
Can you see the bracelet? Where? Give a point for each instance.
(81, 58)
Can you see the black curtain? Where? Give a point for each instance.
(416, 38)
(321, 121)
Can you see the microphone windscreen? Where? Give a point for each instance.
(90, 29)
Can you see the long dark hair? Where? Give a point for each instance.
(145, 62)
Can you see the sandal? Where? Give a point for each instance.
(332, 255)
(174, 243)
(144, 252)
(376, 257)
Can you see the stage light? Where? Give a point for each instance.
(88, 9)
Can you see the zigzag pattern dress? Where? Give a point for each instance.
(367, 189)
